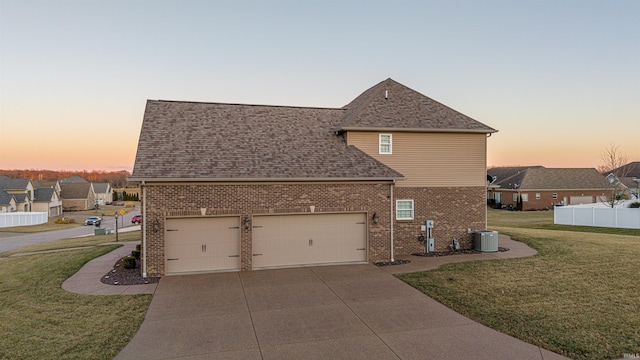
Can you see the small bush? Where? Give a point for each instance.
(635, 205)
(64, 220)
(129, 262)
(135, 254)
(138, 247)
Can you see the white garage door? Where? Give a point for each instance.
(293, 240)
(202, 244)
(577, 200)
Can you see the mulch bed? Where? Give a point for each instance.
(458, 252)
(435, 254)
(121, 276)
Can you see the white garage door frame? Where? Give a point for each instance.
(309, 239)
(202, 244)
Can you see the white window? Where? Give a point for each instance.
(537, 196)
(554, 195)
(404, 209)
(515, 197)
(385, 143)
(525, 197)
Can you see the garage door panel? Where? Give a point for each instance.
(202, 244)
(289, 240)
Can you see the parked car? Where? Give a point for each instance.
(93, 220)
(137, 219)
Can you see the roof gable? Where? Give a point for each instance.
(391, 105)
(7, 183)
(44, 195)
(231, 142)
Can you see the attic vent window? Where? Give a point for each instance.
(385, 143)
(386, 94)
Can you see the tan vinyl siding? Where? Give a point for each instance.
(430, 159)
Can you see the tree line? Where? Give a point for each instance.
(117, 179)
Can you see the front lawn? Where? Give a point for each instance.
(580, 296)
(40, 320)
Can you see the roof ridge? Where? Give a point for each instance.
(248, 105)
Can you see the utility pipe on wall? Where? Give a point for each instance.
(144, 230)
(391, 217)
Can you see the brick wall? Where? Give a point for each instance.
(453, 209)
(245, 200)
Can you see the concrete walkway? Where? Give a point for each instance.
(87, 279)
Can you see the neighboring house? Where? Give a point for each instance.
(77, 196)
(73, 179)
(47, 200)
(21, 189)
(541, 188)
(47, 197)
(104, 193)
(239, 187)
(7, 202)
(629, 178)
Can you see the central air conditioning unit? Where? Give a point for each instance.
(485, 241)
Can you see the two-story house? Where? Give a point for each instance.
(21, 190)
(240, 187)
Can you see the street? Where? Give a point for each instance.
(12, 241)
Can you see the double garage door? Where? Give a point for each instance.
(213, 244)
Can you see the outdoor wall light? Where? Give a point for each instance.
(155, 225)
(374, 218)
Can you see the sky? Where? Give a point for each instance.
(558, 79)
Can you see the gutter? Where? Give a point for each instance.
(418, 130)
(263, 180)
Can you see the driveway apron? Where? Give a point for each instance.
(328, 312)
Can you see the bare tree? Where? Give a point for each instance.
(613, 167)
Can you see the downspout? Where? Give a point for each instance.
(144, 230)
(392, 217)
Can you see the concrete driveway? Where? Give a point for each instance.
(331, 312)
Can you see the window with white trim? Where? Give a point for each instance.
(515, 196)
(404, 209)
(385, 143)
(525, 197)
(554, 195)
(537, 196)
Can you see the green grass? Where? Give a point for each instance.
(580, 296)
(40, 320)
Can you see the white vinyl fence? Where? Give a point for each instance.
(22, 218)
(627, 218)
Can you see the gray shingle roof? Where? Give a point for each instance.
(43, 194)
(214, 141)
(391, 105)
(100, 187)
(7, 183)
(75, 190)
(188, 140)
(5, 199)
(540, 178)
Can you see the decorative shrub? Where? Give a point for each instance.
(64, 220)
(635, 205)
(138, 247)
(129, 262)
(135, 254)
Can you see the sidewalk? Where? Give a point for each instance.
(87, 279)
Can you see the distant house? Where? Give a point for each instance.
(77, 196)
(104, 193)
(7, 202)
(539, 188)
(628, 178)
(21, 189)
(73, 179)
(47, 197)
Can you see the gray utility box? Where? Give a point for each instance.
(485, 241)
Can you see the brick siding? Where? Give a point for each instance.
(453, 209)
